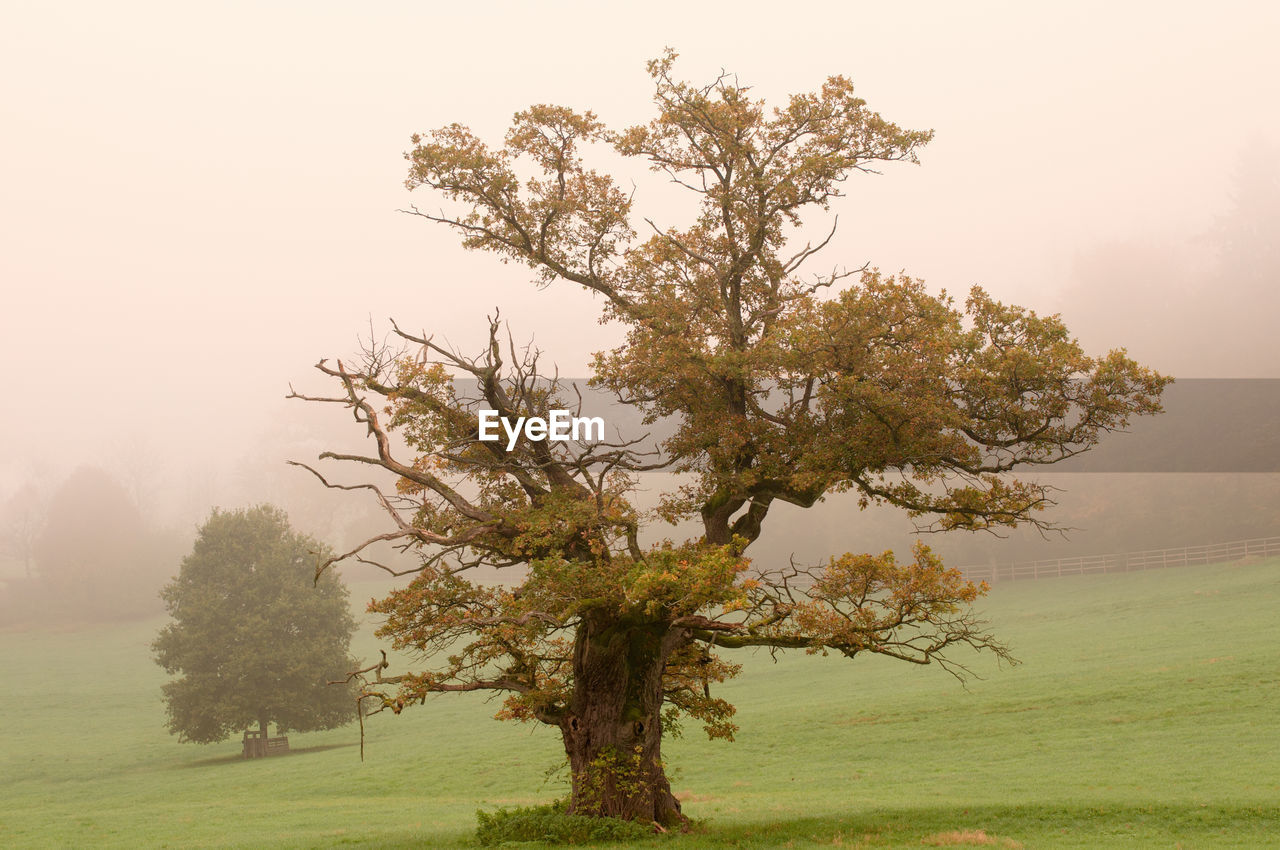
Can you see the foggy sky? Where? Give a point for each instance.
(200, 202)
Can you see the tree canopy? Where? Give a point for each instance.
(255, 638)
(783, 387)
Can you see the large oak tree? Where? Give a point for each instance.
(782, 387)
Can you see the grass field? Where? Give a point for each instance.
(1146, 713)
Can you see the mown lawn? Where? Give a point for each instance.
(1146, 713)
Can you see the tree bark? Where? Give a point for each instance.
(613, 730)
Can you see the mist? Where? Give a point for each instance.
(200, 204)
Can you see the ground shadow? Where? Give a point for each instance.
(237, 758)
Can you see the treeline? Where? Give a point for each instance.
(83, 553)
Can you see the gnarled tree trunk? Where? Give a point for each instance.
(613, 730)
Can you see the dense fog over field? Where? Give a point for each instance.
(199, 204)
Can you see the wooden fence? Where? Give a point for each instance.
(1122, 562)
(256, 745)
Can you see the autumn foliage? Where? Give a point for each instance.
(784, 387)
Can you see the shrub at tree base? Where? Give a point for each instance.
(553, 824)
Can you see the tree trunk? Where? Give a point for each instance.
(262, 727)
(613, 730)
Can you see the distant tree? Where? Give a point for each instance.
(1200, 304)
(780, 395)
(1231, 321)
(1248, 250)
(95, 556)
(254, 639)
(21, 521)
(140, 469)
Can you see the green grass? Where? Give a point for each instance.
(1146, 713)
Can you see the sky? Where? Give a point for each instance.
(200, 201)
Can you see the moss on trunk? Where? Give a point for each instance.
(613, 730)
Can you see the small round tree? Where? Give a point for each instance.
(255, 638)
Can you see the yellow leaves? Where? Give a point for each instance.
(558, 522)
(550, 134)
(779, 394)
(690, 672)
(673, 581)
(873, 603)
